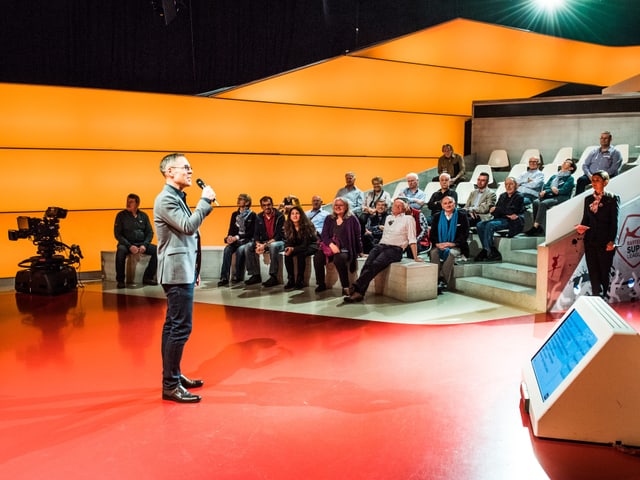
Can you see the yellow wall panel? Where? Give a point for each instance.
(65, 118)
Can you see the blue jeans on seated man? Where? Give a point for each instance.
(487, 228)
(240, 251)
(253, 266)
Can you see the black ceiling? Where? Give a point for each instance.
(212, 44)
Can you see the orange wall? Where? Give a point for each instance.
(85, 150)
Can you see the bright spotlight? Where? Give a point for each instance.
(549, 5)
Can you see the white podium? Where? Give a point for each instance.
(584, 382)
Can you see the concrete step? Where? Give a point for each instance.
(528, 256)
(498, 291)
(511, 273)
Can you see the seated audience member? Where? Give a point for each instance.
(606, 157)
(448, 234)
(268, 237)
(422, 229)
(374, 226)
(352, 194)
(530, 182)
(340, 243)
(450, 163)
(557, 190)
(417, 198)
(317, 214)
(239, 235)
(480, 201)
(287, 203)
(507, 213)
(300, 241)
(133, 231)
(445, 191)
(399, 233)
(371, 198)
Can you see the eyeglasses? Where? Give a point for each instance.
(187, 168)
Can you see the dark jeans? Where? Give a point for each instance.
(379, 258)
(599, 262)
(121, 259)
(176, 331)
(581, 184)
(341, 262)
(487, 228)
(300, 259)
(229, 250)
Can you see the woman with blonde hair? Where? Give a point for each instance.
(340, 243)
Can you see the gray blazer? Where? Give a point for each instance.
(487, 200)
(177, 233)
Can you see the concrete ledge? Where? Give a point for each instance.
(134, 267)
(407, 281)
(211, 265)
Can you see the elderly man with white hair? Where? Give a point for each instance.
(399, 232)
(417, 198)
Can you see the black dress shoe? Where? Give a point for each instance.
(272, 282)
(253, 279)
(180, 395)
(494, 256)
(149, 281)
(121, 285)
(481, 256)
(321, 288)
(290, 285)
(354, 297)
(223, 282)
(188, 383)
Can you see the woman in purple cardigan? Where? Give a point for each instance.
(340, 243)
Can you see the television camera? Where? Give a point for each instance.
(51, 271)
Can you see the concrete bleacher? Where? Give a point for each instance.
(407, 280)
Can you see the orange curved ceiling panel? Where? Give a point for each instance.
(443, 69)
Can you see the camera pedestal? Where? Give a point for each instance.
(46, 282)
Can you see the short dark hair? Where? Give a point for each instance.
(135, 197)
(603, 174)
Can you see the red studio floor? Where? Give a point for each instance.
(286, 396)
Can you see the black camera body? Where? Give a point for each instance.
(49, 272)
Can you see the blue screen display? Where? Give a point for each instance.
(560, 354)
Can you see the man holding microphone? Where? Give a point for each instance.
(178, 269)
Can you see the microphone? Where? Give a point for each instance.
(201, 184)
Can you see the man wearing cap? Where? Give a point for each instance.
(398, 233)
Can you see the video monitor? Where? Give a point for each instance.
(561, 353)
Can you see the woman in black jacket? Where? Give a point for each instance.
(599, 226)
(300, 241)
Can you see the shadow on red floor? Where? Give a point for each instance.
(287, 396)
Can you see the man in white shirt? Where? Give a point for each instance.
(399, 232)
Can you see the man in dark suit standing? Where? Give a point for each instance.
(178, 269)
